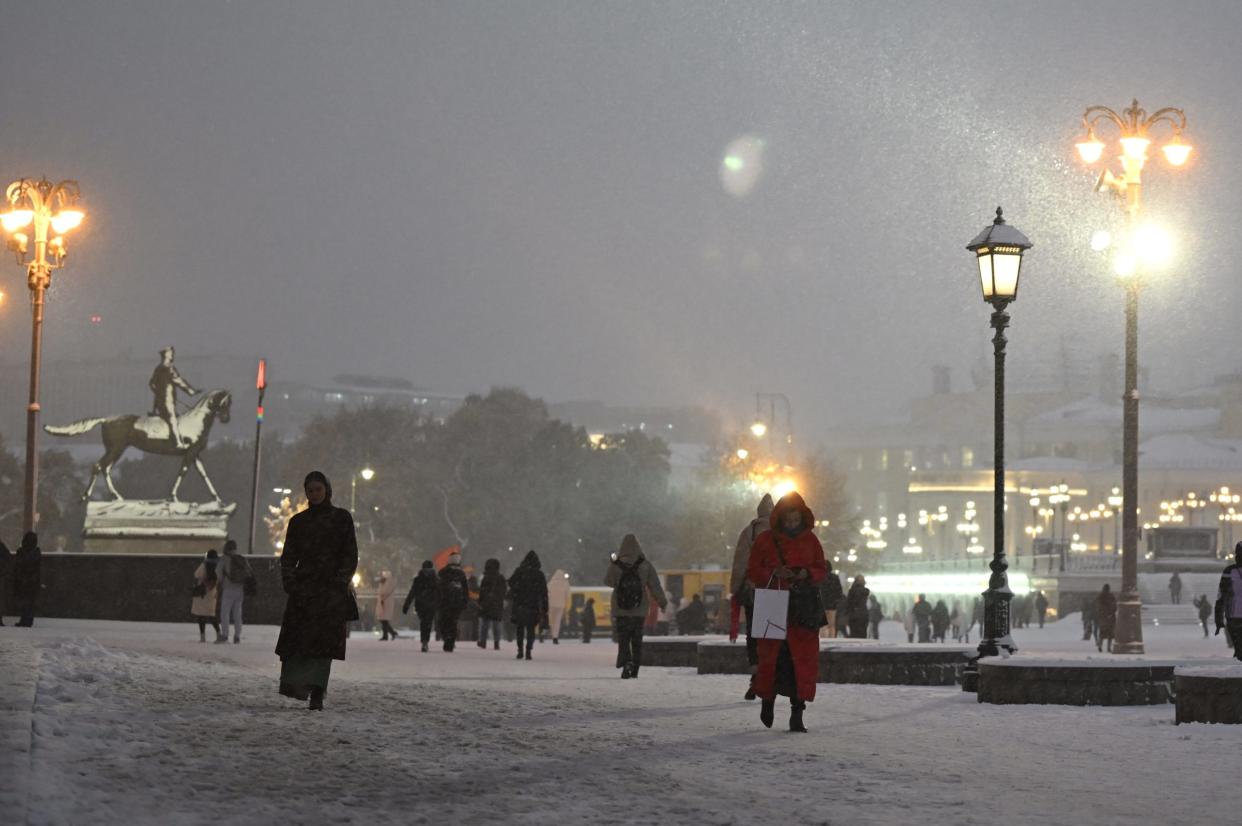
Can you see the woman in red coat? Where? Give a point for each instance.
(787, 553)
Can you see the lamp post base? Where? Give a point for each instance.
(1129, 626)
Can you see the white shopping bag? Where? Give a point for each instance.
(771, 614)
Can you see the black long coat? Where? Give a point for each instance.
(529, 592)
(424, 594)
(454, 592)
(492, 595)
(316, 567)
(27, 572)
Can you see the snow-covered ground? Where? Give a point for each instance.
(106, 722)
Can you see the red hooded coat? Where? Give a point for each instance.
(800, 552)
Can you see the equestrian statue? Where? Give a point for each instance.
(161, 432)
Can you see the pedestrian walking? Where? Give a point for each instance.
(1175, 588)
(316, 568)
(940, 620)
(1106, 616)
(955, 621)
(233, 573)
(424, 595)
(833, 597)
(692, 619)
(6, 562)
(558, 598)
(587, 620)
(857, 610)
(907, 622)
(27, 579)
(789, 554)
(921, 612)
(492, 590)
(386, 605)
(875, 615)
(1205, 611)
(206, 594)
(634, 583)
(741, 588)
(1229, 602)
(1090, 628)
(1041, 607)
(454, 593)
(528, 591)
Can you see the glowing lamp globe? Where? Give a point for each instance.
(998, 251)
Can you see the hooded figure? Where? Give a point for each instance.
(857, 609)
(529, 594)
(787, 553)
(558, 598)
(1106, 616)
(316, 568)
(634, 584)
(740, 588)
(425, 597)
(27, 578)
(492, 591)
(386, 605)
(454, 591)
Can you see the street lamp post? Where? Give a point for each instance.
(367, 475)
(1133, 125)
(998, 250)
(1115, 501)
(760, 428)
(46, 206)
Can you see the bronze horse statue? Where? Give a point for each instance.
(151, 434)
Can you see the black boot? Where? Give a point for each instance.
(496, 644)
(519, 654)
(625, 672)
(767, 712)
(750, 690)
(424, 648)
(795, 718)
(528, 652)
(316, 699)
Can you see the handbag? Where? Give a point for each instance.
(199, 590)
(806, 604)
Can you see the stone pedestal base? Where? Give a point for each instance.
(1209, 695)
(1134, 683)
(133, 526)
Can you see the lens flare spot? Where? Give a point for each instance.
(742, 165)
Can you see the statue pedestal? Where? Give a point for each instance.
(138, 527)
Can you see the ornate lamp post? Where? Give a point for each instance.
(367, 475)
(46, 206)
(1134, 126)
(998, 250)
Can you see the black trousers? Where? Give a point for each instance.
(526, 634)
(448, 628)
(202, 625)
(25, 610)
(629, 641)
(387, 628)
(426, 622)
(1233, 627)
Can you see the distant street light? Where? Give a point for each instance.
(46, 205)
(367, 475)
(1134, 126)
(759, 429)
(998, 253)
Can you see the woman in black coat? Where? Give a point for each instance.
(491, 603)
(454, 594)
(425, 596)
(316, 567)
(27, 578)
(529, 591)
(857, 609)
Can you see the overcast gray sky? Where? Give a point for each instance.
(530, 193)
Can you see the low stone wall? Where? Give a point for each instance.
(143, 588)
(722, 657)
(1061, 682)
(876, 665)
(673, 652)
(1209, 695)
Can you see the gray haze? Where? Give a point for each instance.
(529, 193)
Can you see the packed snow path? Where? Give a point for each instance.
(129, 723)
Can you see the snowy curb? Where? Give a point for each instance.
(19, 679)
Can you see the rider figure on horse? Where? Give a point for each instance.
(164, 383)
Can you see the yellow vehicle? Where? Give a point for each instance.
(602, 595)
(710, 584)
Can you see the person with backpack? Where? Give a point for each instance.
(789, 557)
(634, 583)
(857, 610)
(234, 571)
(454, 593)
(1205, 611)
(587, 621)
(425, 597)
(385, 602)
(528, 591)
(316, 570)
(740, 587)
(492, 591)
(206, 592)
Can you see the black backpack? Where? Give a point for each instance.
(629, 591)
